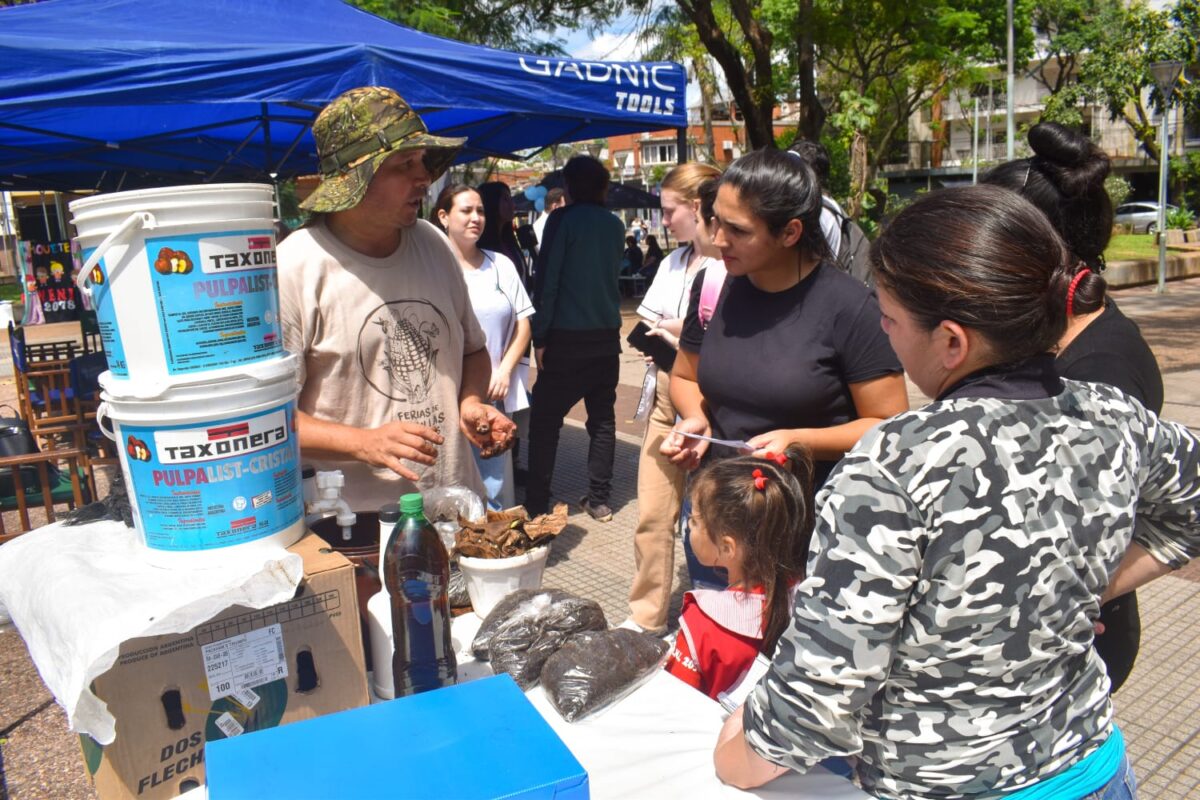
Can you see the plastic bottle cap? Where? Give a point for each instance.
(389, 513)
(411, 504)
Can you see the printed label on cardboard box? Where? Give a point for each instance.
(244, 661)
(248, 698)
(229, 726)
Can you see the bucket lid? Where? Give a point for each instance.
(202, 384)
(184, 194)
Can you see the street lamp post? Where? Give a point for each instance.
(1165, 74)
(1010, 128)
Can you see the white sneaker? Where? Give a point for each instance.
(630, 625)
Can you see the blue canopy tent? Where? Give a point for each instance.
(121, 94)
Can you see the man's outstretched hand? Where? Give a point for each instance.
(486, 428)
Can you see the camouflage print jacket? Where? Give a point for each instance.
(944, 630)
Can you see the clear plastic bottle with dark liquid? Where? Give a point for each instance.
(416, 572)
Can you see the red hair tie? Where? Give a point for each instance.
(778, 458)
(1071, 290)
(760, 480)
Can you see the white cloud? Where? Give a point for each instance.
(608, 47)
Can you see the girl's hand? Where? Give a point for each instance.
(685, 452)
(498, 385)
(777, 441)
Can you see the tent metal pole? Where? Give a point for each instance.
(58, 210)
(45, 216)
(236, 152)
(288, 153)
(681, 145)
(10, 237)
(266, 126)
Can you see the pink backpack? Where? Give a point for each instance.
(710, 291)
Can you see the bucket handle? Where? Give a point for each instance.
(101, 416)
(137, 219)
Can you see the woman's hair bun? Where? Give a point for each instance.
(1068, 158)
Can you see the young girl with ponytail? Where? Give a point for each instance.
(751, 517)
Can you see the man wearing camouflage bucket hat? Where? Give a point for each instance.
(393, 362)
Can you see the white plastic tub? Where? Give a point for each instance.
(211, 468)
(490, 580)
(182, 279)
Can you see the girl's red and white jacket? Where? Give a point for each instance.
(720, 633)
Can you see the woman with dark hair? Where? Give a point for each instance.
(943, 630)
(654, 257)
(1065, 180)
(793, 355)
(498, 233)
(503, 309)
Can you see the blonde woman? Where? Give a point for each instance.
(660, 483)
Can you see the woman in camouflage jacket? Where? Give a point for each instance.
(943, 634)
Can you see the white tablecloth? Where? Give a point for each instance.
(657, 742)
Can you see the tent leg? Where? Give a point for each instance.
(681, 145)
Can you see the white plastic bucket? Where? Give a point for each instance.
(182, 278)
(211, 468)
(490, 580)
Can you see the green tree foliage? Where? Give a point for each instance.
(1113, 70)
(1066, 30)
(1186, 172)
(883, 61)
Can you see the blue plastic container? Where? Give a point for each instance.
(468, 742)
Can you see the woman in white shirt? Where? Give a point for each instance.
(503, 308)
(660, 483)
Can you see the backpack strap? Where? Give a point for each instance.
(710, 291)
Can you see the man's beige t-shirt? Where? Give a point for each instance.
(381, 339)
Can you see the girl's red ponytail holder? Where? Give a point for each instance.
(760, 480)
(778, 458)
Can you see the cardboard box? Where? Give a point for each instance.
(308, 650)
(482, 739)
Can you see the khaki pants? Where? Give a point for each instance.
(660, 494)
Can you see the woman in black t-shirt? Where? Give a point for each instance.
(794, 354)
(1065, 180)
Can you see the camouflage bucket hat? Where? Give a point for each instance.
(356, 132)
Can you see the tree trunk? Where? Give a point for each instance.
(752, 91)
(858, 174)
(704, 77)
(941, 132)
(812, 113)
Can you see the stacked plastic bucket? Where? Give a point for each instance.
(199, 394)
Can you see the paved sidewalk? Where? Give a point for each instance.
(1158, 709)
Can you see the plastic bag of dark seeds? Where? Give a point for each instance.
(595, 669)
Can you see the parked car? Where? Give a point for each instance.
(1142, 215)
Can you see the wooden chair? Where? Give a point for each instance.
(85, 385)
(42, 373)
(45, 480)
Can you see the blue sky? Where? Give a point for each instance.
(617, 43)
